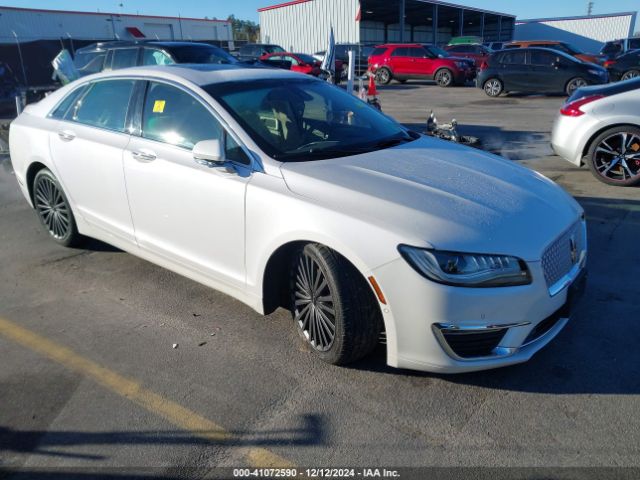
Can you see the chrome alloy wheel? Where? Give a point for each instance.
(52, 208)
(575, 84)
(493, 87)
(313, 304)
(631, 74)
(617, 157)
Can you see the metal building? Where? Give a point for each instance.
(303, 25)
(26, 25)
(588, 33)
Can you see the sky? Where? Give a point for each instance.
(247, 9)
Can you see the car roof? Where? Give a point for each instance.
(544, 42)
(136, 43)
(201, 74)
(550, 50)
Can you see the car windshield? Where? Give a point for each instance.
(201, 54)
(437, 51)
(306, 119)
(306, 58)
(273, 49)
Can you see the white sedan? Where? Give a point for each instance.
(281, 190)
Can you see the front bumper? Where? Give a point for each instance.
(425, 321)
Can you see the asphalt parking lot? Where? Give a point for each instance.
(89, 377)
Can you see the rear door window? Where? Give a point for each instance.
(416, 52)
(173, 116)
(105, 105)
(400, 52)
(517, 57)
(63, 107)
(153, 56)
(124, 57)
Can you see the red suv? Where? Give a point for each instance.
(405, 61)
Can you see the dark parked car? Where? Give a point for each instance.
(296, 62)
(8, 88)
(251, 52)
(537, 70)
(476, 52)
(115, 55)
(402, 61)
(361, 53)
(615, 48)
(624, 67)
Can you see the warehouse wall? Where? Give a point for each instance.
(586, 33)
(30, 25)
(304, 26)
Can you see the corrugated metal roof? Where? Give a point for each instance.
(579, 17)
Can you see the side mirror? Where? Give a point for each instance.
(209, 153)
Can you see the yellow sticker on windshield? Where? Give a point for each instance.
(158, 106)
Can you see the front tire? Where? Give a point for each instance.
(614, 156)
(444, 77)
(334, 310)
(54, 210)
(574, 84)
(493, 87)
(631, 74)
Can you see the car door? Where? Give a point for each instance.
(546, 73)
(513, 70)
(400, 61)
(87, 146)
(188, 213)
(421, 64)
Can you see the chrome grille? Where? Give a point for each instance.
(557, 259)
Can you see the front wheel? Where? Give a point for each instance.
(444, 77)
(574, 84)
(334, 310)
(54, 210)
(631, 74)
(614, 156)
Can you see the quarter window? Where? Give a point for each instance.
(105, 105)
(125, 57)
(175, 117)
(61, 110)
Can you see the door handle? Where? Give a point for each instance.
(143, 155)
(66, 135)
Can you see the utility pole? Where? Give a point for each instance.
(590, 8)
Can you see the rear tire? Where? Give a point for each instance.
(334, 309)
(493, 87)
(631, 74)
(383, 76)
(574, 84)
(444, 77)
(621, 167)
(54, 210)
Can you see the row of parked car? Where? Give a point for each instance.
(523, 66)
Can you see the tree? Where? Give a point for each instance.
(244, 29)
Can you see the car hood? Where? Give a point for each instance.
(438, 194)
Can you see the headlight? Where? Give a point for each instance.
(467, 269)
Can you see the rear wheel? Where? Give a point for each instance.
(54, 210)
(574, 84)
(334, 310)
(444, 77)
(614, 156)
(493, 87)
(631, 74)
(383, 76)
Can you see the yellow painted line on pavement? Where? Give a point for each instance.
(175, 413)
